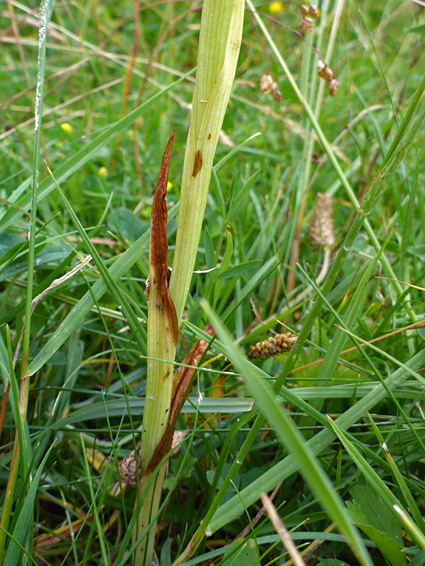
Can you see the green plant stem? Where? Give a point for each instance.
(219, 45)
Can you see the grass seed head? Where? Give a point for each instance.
(306, 25)
(310, 11)
(266, 83)
(333, 86)
(272, 346)
(324, 71)
(313, 12)
(129, 469)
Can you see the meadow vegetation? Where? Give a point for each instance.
(308, 384)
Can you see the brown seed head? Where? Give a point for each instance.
(306, 26)
(272, 346)
(324, 71)
(128, 468)
(277, 95)
(313, 12)
(333, 87)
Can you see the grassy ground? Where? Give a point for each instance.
(82, 411)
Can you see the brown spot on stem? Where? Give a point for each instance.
(209, 137)
(197, 165)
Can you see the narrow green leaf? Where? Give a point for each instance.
(237, 199)
(119, 408)
(238, 269)
(366, 469)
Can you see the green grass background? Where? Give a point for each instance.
(87, 369)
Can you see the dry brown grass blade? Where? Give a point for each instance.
(282, 531)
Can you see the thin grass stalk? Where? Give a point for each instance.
(219, 45)
(45, 14)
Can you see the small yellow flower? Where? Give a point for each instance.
(169, 186)
(67, 128)
(103, 172)
(275, 7)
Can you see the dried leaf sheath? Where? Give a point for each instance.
(158, 257)
(162, 322)
(182, 384)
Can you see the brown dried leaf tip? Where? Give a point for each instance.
(322, 228)
(148, 283)
(273, 346)
(267, 84)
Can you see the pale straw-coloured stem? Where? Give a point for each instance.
(219, 45)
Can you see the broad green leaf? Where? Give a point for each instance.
(126, 224)
(377, 521)
(49, 255)
(418, 29)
